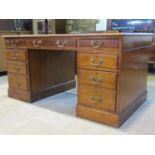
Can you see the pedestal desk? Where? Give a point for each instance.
(111, 71)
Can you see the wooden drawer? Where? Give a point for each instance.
(62, 43)
(16, 55)
(18, 82)
(98, 78)
(98, 43)
(97, 61)
(14, 43)
(38, 43)
(95, 97)
(16, 67)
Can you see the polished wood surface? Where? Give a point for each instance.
(3, 66)
(98, 43)
(16, 55)
(2, 56)
(97, 61)
(50, 69)
(17, 67)
(111, 70)
(152, 51)
(18, 82)
(133, 77)
(101, 116)
(98, 78)
(96, 97)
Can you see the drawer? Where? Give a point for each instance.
(98, 98)
(16, 55)
(97, 61)
(37, 43)
(18, 82)
(16, 67)
(62, 43)
(14, 43)
(98, 78)
(97, 43)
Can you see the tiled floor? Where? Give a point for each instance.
(56, 115)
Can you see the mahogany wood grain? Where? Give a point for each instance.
(16, 55)
(63, 42)
(98, 78)
(97, 61)
(98, 43)
(133, 77)
(3, 66)
(92, 114)
(19, 94)
(59, 68)
(12, 43)
(18, 82)
(17, 67)
(111, 69)
(96, 97)
(110, 118)
(37, 43)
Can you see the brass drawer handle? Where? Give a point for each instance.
(96, 99)
(17, 69)
(96, 64)
(94, 44)
(7, 42)
(61, 44)
(14, 43)
(15, 55)
(95, 80)
(36, 43)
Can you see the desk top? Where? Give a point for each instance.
(81, 35)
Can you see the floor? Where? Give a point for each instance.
(56, 115)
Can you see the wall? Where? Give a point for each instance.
(81, 25)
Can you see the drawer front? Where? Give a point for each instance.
(16, 55)
(97, 61)
(62, 43)
(18, 68)
(37, 43)
(99, 43)
(12, 43)
(96, 97)
(98, 78)
(18, 82)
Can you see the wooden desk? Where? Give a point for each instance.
(112, 71)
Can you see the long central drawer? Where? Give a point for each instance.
(42, 43)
